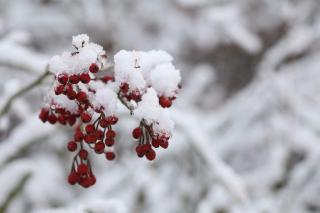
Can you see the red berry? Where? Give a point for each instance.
(83, 154)
(60, 110)
(107, 78)
(85, 78)
(124, 87)
(146, 147)
(90, 128)
(72, 146)
(155, 143)
(151, 155)
(78, 135)
(99, 147)
(99, 134)
(63, 78)
(62, 119)
(94, 68)
(92, 179)
(136, 133)
(164, 144)
(85, 117)
(91, 138)
(110, 155)
(71, 120)
(71, 94)
(165, 102)
(52, 118)
(112, 120)
(44, 114)
(81, 96)
(110, 134)
(109, 142)
(83, 169)
(139, 151)
(103, 123)
(74, 79)
(59, 89)
(135, 95)
(85, 182)
(73, 178)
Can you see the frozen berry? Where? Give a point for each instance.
(151, 155)
(74, 79)
(99, 147)
(63, 78)
(124, 87)
(72, 178)
(165, 102)
(85, 78)
(83, 169)
(81, 96)
(59, 89)
(72, 146)
(78, 135)
(52, 118)
(109, 142)
(136, 133)
(110, 133)
(90, 128)
(94, 68)
(44, 114)
(110, 155)
(83, 154)
(85, 117)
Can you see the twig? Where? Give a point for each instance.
(22, 91)
(15, 192)
(143, 122)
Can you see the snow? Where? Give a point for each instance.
(61, 101)
(136, 68)
(125, 63)
(165, 79)
(164, 122)
(80, 40)
(106, 98)
(80, 59)
(246, 133)
(148, 108)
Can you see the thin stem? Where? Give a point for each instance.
(22, 91)
(125, 103)
(143, 122)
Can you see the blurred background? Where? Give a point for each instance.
(247, 134)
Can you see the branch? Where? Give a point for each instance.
(22, 91)
(15, 192)
(143, 122)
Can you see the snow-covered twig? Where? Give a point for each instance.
(22, 91)
(20, 186)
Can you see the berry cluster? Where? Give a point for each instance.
(148, 140)
(80, 97)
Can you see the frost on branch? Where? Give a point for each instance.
(145, 82)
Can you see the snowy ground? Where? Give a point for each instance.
(247, 129)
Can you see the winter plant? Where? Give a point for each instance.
(84, 97)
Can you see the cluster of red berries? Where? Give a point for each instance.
(93, 127)
(57, 114)
(133, 95)
(81, 172)
(97, 135)
(147, 140)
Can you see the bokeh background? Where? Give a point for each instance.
(247, 135)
